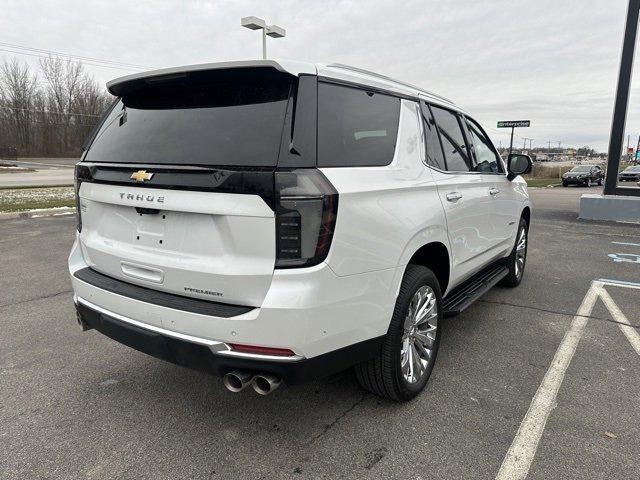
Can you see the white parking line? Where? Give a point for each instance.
(627, 243)
(518, 459)
(630, 332)
(618, 283)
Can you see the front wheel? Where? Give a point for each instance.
(518, 257)
(401, 369)
(589, 184)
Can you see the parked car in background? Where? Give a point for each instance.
(630, 174)
(586, 175)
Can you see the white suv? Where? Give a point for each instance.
(281, 221)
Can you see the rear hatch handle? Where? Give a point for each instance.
(142, 272)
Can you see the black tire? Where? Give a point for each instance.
(383, 374)
(599, 182)
(565, 184)
(514, 278)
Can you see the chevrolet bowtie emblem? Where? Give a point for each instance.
(141, 176)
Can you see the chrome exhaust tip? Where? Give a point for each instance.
(237, 380)
(265, 383)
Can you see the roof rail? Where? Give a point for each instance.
(384, 77)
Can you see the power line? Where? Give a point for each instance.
(71, 60)
(52, 112)
(80, 57)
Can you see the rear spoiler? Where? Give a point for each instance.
(123, 85)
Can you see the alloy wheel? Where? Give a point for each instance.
(419, 336)
(521, 252)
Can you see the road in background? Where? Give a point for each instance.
(49, 172)
(78, 405)
(46, 162)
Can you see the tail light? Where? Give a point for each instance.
(306, 212)
(82, 173)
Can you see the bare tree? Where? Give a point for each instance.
(51, 116)
(17, 91)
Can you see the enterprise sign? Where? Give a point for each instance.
(514, 123)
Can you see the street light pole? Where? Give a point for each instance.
(255, 23)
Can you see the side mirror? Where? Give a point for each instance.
(518, 164)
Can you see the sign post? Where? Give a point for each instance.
(620, 106)
(512, 124)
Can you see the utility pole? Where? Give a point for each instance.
(549, 149)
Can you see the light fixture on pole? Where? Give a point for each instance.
(255, 23)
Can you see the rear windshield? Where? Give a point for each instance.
(632, 169)
(229, 119)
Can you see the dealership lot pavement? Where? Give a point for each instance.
(78, 405)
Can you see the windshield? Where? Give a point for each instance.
(220, 120)
(583, 168)
(632, 169)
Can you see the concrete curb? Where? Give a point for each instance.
(40, 212)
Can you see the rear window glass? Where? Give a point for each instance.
(202, 120)
(356, 127)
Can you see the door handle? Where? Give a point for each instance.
(454, 196)
(494, 191)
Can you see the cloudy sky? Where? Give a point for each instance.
(553, 62)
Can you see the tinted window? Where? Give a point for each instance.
(487, 159)
(434, 149)
(453, 142)
(356, 127)
(203, 121)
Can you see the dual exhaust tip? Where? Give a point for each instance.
(262, 383)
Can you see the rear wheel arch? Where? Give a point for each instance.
(435, 257)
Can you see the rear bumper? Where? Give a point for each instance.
(209, 356)
(329, 322)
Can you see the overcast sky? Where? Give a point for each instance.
(553, 62)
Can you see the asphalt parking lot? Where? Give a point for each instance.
(78, 405)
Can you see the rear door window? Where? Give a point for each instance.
(453, 141)
(487, 159)
(214, 120)
(435, 158)
(356, 127)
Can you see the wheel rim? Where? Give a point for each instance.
(521, 252)
(419, 336)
